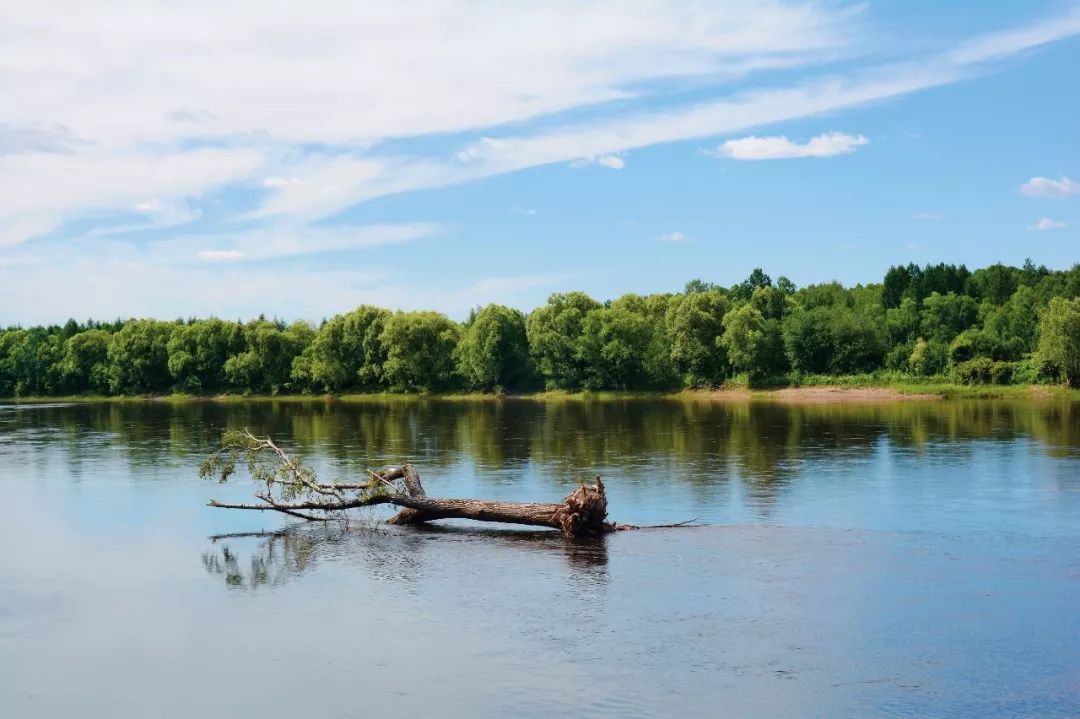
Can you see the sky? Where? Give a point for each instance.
(162, 159)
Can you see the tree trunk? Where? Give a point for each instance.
(582, 513)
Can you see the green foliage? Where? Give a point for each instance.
(625, 345)
(1059, 339)
(994, 284)
(494, 350)
(983, 370)
(694, 324)
(139, 358)
(753, 343)
(347, 353)
(757, 279)
(921, 321)
(833, 339)
(945, 316)
(556, 339)
(198, 353)
(266, 363)
(86, 361)
(420, 351)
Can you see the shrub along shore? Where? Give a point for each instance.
(939, 329)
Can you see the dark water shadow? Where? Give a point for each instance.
(389, 553)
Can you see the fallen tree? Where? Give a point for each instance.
(292, 488)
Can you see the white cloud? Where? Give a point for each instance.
(157, 215)
(1047, 224)
(276, 182)
(41, 190)
(675, 237)
(219, 255)
(1045, 187)
(611, 161)
(275, 242)
(37, 138)
(368, 71)
(930, 216)
(780, 147)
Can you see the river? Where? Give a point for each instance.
(906, 559)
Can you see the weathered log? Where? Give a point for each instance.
(582, 513)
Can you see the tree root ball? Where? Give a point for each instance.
(584, 512)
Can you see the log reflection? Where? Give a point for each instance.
(389, 554)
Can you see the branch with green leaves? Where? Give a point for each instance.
(290, 486)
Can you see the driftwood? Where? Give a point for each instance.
(292, 489)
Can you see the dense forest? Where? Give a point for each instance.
(997, 325)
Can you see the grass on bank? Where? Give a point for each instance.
(735, 388)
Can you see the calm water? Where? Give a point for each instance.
(909, 560)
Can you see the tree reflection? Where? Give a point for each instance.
(389, 554)
(766, 446)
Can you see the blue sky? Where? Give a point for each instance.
(228, 159)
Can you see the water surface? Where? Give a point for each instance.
(906, 559)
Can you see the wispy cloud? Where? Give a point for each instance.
(1047, 224)
(41, 190)
(287, 241)
(675, 237)
(611, 161)
(1045, 187)
(779, 147)
(156, 215)
(219, 255)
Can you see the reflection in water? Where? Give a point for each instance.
(389, 554)
(762, 443)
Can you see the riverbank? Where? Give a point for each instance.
(851, 392)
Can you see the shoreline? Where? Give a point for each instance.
(809, 394)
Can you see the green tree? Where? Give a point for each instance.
(420, 351)
(139, 357)
(266, 363)
(347, 352)
(556, 339)
(1016, 321)
(86, 362)
(694, 326)
(834, 340)
(624, 345)
(771, 302)
(808, 339)
(756, 280)
(927, 358)
(994, 284)
(198, 353)
(752, 343)
(945, 316)
(900, 282)
(494, 350)
(1059, 338)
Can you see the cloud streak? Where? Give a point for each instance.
(1045, 187)
(1047, 224)
(779, 147)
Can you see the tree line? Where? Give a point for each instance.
(995, 325)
